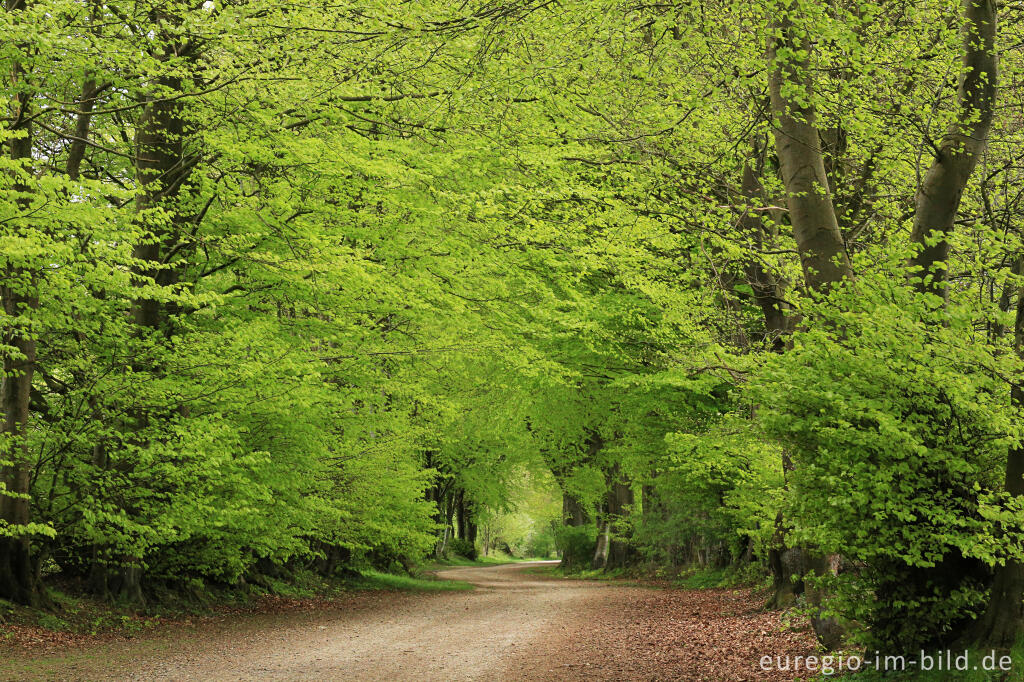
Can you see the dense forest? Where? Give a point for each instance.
(329, 285)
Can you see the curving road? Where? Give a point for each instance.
(498, 631)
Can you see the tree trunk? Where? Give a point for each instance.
(76, 150)
(769, 289)
(620, 502)
(938, 197)
(802, 166)
(573, 513)
(600, 560)
(820, 244)
(19, 580)
(785, 563)
(442, 544)
(460, 515)
(648, 501)
(1003, 622)
(161, 169)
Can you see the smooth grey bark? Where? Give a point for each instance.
(812, 212)
(823, 255)
(601, 550)
(802, 165)
(938, 197)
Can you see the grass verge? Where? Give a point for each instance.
(497, 559)
(80, 617)
(374, 580)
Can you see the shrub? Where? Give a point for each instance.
(898, 433)
(463, 548)
(577, 545)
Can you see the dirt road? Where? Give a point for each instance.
(516, 625)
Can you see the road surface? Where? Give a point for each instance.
(517, 624)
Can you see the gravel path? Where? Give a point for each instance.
(516, 625)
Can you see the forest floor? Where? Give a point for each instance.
(518, 623)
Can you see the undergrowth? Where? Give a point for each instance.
(76, 613)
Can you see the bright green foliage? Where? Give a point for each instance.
(318, 286)
(716, 496)
(898, 424)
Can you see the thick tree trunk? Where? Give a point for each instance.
(648, 501)
(620, 502)
(802, 165)
(577, 552)
(600, 560)
(573, 513)
(161, 169)
(938, 197)
(613, 549)
(19, 581)
(769, 289)
(334, 559)
(822, 250)
(17, 575)
(579, 549)
(1002, 625)
(460, 515)
(785, 563)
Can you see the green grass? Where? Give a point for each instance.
(454, 561)
(82, 614)
(620, 576)
(585, 574)
(498, 559)
(710, 578)
(374, 580)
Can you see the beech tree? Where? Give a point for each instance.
(291, 288)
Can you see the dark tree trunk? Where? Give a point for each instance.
(573, 513)
(161, 168)
(19, 581)
(613, 548)
(76, 150)
(1003, 622)
(126, 583)
(446, 507)
(784, 562)
(648, 501)
(460, 515)
(620, 503)
(769, 289)
(334, 559)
